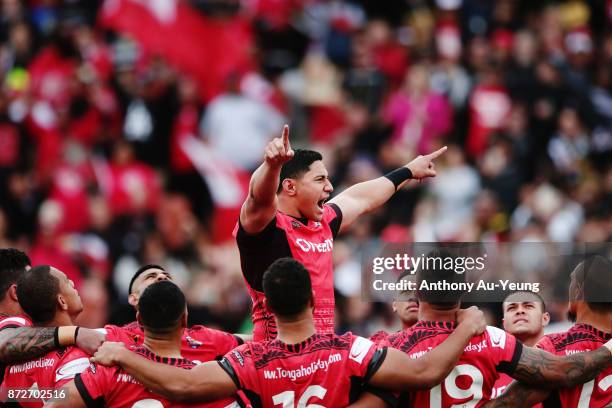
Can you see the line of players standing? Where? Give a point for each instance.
(44, 297)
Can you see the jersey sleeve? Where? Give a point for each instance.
(92, 384)
(545, 343)
(505, 350)
(14, 321)
(222, 342)
(381, 338)
(254, 241)
(239, 365)
(365, 357)
(74, 362)
(332, 214)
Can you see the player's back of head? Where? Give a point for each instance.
(593, 277)
(37, 291)
(287, 287)
(162, 307)
(298, 165)
(13, 264)
(438, 268)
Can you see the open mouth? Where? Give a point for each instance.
(321, 202)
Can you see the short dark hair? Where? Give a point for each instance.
(527, 292)
(161, 306)
(433, 270)
(287, 287)
(594, 277)
(13, 264)
(298, 165)
(37, 291)
(140, 271)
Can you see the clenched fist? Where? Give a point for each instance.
(473, 317)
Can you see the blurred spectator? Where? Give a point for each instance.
(238, 127)
(570, 145)
(419, 116)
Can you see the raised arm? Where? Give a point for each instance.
(205, 382)
(25, 343)
(260, 206)
(369, 195)
(400, 372)
(543, 369)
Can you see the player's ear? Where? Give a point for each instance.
(133, 300)
(289, 186)
(394, 307)
(12, 291)
(62, 302)
(545, 319)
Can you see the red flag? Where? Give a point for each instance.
(205, 48)
(228, 184)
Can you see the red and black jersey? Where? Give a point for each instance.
(580, 338)
(472, 380)
(101, 386)
(51, 371)
(199, 343)
(381, 337)
(324, 370)
(6, 322)
(307, 241)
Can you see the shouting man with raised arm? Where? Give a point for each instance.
(286, 215)
(301, 365)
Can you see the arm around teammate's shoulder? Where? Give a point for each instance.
(205, 382)
(400, 372)
(538, 367)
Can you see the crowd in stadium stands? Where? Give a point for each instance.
(106, 146)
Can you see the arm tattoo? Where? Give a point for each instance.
(518, 395)
(538, 367)
(25, 343)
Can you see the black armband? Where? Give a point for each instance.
(398, 176)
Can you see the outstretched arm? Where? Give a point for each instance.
(26, 343)
(369, 195)
(540, 368)
(260, 206)
(400, 372)
(205, 382)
